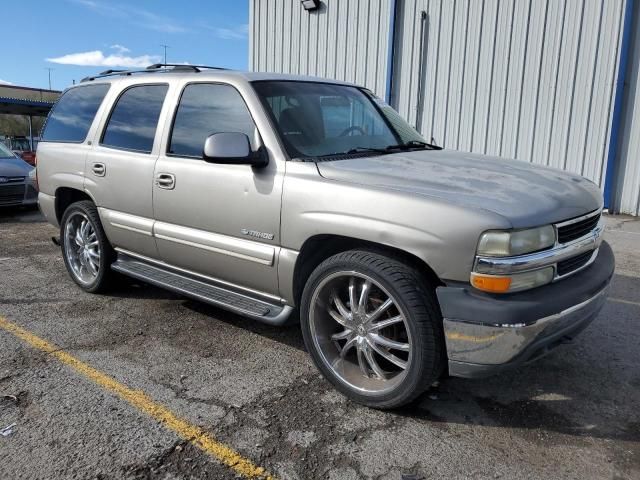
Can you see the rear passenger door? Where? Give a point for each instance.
(119, 171)
(219, 220)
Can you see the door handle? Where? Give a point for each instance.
(99, 169)
(166, 181)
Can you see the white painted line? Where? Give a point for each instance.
(622, 231)
(627, 302)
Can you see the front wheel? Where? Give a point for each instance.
(373, 328)
(86, 251)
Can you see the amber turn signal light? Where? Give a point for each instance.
(490, 283)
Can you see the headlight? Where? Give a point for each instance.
(512, 283)
(510, 243)
(517, 242)
(32, 174)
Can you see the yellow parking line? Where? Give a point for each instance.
(472, 338)
(141, 401)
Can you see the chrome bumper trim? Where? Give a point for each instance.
(494, 345)
(578, 219)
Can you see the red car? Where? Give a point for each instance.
(22, 147)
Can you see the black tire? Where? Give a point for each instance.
(417, 300)
(105, 275)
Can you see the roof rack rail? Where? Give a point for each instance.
(111, 70)
(182, 66)
(110, 73)
(155, 68)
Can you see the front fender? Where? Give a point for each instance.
(441, 234)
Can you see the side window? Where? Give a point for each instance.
(134, 119)
(72, 115)
(206, 109)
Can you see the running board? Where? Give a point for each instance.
(242, 304)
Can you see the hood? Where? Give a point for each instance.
(14, 167)
(525, 194)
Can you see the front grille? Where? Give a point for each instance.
(574, 263)
(11, 194)
(573, 231)
(13, 179)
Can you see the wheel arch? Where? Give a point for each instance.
(65, 196)
(319, 247)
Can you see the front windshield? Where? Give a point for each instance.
(5, 152)
(324, 119)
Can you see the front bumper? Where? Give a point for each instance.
(18, 194)
(487, 333)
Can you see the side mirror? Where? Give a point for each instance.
(232, 148)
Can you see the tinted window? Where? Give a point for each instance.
(72, 115)
(134, 119)
(206, 109)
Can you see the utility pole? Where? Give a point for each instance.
(49, 69)
(165, 52)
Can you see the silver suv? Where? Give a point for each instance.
(272, 194)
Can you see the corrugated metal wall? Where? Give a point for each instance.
(628, 187)
(527, 79)
(344, 39)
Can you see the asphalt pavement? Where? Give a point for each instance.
(252, 388)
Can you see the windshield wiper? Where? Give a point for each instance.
(367, 149)
(355, 150)
(411, 144)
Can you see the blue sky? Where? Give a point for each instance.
(81, 37)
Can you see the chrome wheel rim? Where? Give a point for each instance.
(361, 332)
(82, 248)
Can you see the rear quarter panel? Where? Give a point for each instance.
(62, 164)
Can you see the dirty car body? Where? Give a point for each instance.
(404, 260)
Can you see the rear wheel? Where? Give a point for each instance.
(373, 328)
(86, 251)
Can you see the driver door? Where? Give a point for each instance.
(218, 220)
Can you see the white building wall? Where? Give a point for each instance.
(344, 39)
(628, 185)
(526, 79)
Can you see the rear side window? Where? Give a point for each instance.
(206, 109)
(72, 115)
(134, 119)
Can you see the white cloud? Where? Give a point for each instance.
(120, 48)
(133, 15)
(97, 58)
(4, 82)
(235, 33)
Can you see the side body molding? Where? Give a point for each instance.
(223, 244)
(119, 223)
(125, 221)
